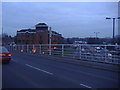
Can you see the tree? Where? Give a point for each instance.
(6, 39)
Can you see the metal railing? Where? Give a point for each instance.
(98, 53)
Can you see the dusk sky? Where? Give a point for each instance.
(71, 19)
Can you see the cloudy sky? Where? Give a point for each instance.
(71, 19)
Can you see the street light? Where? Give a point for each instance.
(118, 18)
(96, 33)
(113, 19)
(108, 18)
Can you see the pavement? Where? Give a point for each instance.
(27, 71)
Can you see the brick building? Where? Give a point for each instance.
(39, 35)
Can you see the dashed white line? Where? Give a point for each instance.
(39, 69)
(86, 86)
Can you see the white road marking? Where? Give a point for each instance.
(86, 86)
(39, 69)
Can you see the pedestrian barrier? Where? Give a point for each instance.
(98, 53)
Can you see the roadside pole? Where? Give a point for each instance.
(50, 36)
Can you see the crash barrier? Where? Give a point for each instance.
(98, 53)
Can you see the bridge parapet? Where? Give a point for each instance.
(98, 53)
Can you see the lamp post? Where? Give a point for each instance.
(96, 33)
(113, 19)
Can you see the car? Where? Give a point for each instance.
(5, 55)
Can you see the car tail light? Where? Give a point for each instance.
(2, 55)
(9, 55)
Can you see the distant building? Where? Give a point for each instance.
(56, 38)
(39, 35)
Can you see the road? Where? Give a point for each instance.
(35, 72)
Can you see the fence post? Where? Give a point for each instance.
(113, 56)
(49, 49)
(62, 49)
(40, 49)
(20, 48)
(23, 48)
(16, 47)
(105, 53)
(80, 51)
(27, 48)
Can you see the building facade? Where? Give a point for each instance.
(39, 35)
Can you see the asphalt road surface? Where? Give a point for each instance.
(35, 72)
